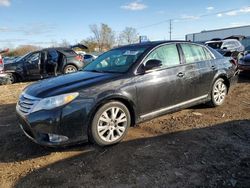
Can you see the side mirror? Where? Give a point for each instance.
(152, 64)
(224, 48)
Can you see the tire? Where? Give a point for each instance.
(218, 93)
(110, 124)
(11, 78)
(69, 69)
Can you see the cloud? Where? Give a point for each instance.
(11, 40)
(31, 29)
(4, 29)
(231, 13)
(210, 8)
(161, 12)
(134, 6)
(4, 3)
(238, 24)
(243, 10)
(36, 29)
(188, 17)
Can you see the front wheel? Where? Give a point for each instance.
(219, 92)
(110, 124)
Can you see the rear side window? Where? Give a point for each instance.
(193, 53)
(167, 54)
(69, 52)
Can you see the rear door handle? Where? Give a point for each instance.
(180, 74)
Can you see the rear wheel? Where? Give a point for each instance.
(69, 69)
(110, 124)
(11, 78)
(219, 92)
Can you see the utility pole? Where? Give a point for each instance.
(170, 29)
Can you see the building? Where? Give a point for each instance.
(221, 33)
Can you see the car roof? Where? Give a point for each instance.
(155, 43)
(222, 40)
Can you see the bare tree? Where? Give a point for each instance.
(128, 36)
(104, 36)
(64, 43)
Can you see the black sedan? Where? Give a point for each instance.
(121, 88)
(40, 64)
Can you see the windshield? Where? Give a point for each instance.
(214, 45)
(117, 60)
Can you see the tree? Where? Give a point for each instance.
(104, 36)
(128, 36)
(22, 50)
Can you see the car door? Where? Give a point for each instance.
(32, 64)
(199, 70)
(161, 88)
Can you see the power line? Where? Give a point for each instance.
(200, 16)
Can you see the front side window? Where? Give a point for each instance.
(167, 54)
(193, 53)
(34, 57)
(117, 60)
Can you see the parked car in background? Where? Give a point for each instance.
(89, 58)
(121, 88)
(227, 46)
(247, 49)
(42, 64)
(244, 61)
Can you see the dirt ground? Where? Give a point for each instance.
(196, 147)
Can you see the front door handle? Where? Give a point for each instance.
(180, 74)
(213, 67)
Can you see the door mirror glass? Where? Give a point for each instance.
(152, 64)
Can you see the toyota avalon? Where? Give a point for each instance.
(123, 87)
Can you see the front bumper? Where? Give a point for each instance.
(69, 121)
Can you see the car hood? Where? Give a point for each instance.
(11, 65)
(68, 83)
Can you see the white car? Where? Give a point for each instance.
(225, 46)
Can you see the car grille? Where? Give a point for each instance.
(26, 103)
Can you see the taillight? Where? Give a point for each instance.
(1, 60)
(79, 58)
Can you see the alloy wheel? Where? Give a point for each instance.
(70, 69)
(112, 124)
(219, 92)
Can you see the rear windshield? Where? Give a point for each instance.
(214, 45)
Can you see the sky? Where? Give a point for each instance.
(42, 22)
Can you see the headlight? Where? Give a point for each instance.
(55, 101)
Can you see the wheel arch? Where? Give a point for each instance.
(224, 77)
(18, 76)
(128, 103)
